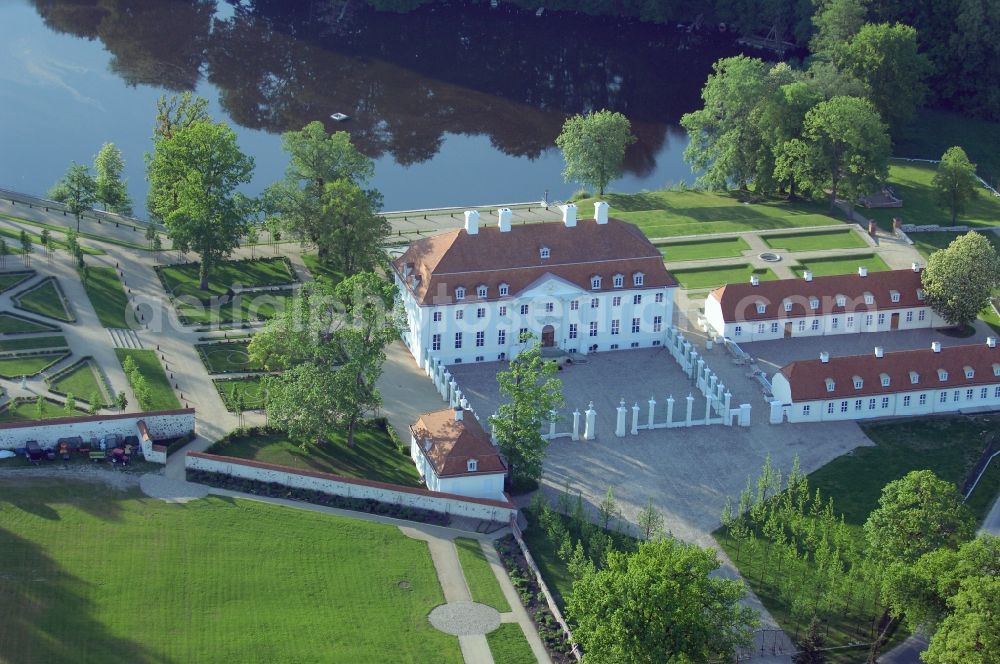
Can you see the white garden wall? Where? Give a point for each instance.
(475, 508)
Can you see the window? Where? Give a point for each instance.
(657, 323)
(436, 342)
(659, 298)
(524, 310)
(738, 330)
(922, 400)
(881, 319)
(906, 401)
(480, 312)
(614, 346)
(544, 252)
(815, 324)
(920, 294)
(983, 393)
(814, 303)
(829, 385)
(459, 314)
(761, 307)
(858, 382)
(834, 323)
(774, 328)
(956, 395)
(909, 316)
(914, 378)
(635, 326)
(549, 307)
(459, 293)
(922, 314)
(595, 282)
(871, 404)
(522, 333)
(638, 278)
(619, 280)
(850, 321)
(481, 291)
(471, 465)
(788, 305)
(868, 320)
(969, 372)
(594, 303)
(504, 290)
(503, 310)
(944, 397)
(437, 316)
(572, 330)
(805, 409)
(802, 326)
(760, 328)
(894, 296)
(574, 305)
(996, 369)
(593, 328)
(885, 380)
(480, 339)
(857, 404)
(841, 301)
(480, 358)
(637, 299)
(996, 392)
(616, 301)
(829, 408)
(843, 406)
(885, 402)
(869, 298)
(942, 375)
(968, 394)
(615, 326)
(458, 340)
(501, 337)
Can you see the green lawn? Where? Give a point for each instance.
(32, 343)
(36, 240)
(712, 277)
(483, 584)
(162, 393)
(322, 272)
(373, 456)
(10, 279)
(675, 213)
(81, 380)
(61, 230)
(29, 365)
(183, 279)
(107, 294)
(509, 645)
(841, 238)
(93, 574)
(249, 387)
(46, 299)
(928, 243)
(243, 308)
(226, 356)
(27, 411)
(912, 183)
(11, 323)
(726, 247)
(824, 267)
(935, 131)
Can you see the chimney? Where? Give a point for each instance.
(504, 215)
(407, 269)
(915, 267)
(569, 215)
(824, 357)
(459, 413)
(754, 280)
(807, 275)
(879, 351)
(991, 342)
(862, 271)
(472, 222)
(601, 212)
(936, 346)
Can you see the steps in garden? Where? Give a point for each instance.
(124, 338)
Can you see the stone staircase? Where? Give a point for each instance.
(124, 338)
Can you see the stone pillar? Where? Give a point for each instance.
(701, 369)
(720, 389)
(744, 415)
(652, 411)
(445, 379)
(590, 423)
(777, 413)
(690, 402)
(576, 424)
(453, 392)
(712, 380)
(620, 422)
(552, 423)
(727, 419)
(670, 410)
(708, 408)
(635, 419)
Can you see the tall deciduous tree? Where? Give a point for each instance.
(836, 21)
(955, 181)
(959, 279)
(112, 190)
(848, 149)
(593, 147)
(659, 604)
(194, 177)
(324, 200)
(532, 392)
(971, 632)
(77, 191)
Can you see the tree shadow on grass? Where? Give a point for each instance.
(46, 615)
(39, 495)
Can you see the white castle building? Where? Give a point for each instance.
(581, 287)
(842, 304)
(915, 382)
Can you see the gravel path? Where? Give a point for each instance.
(170, 490)
(114, 478)
(465, 618)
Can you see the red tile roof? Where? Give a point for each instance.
(807, 378)
(455, 442)
(739, 301)
(449, 260)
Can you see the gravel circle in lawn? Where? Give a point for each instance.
(465, 618)
(155, 485)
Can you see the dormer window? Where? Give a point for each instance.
(969, 372)
(841, 301)
(619, 280)
(914, 377)
(829, 385)
(481, 291)
(638, 278)
(885, 379)
(471, 464)
(504, 290)
(920, 294)
(788, 305)
(996, 369)
(460, 293)
(544, 252)
(814, 303)
(595, 282)
(942, 375)
(869, 298)
(894, 295)
(858, 382)
(761, 307)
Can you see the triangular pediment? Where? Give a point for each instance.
(549, 285)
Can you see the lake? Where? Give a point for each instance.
(457, 105)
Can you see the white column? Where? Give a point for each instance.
(690, 402)
(701, 368)
(590, 423)
(670, 410)
(576, 424)
(452, 390)
(727, 420)
(777, 413)
(652, 411)
(635, 419)
(712, 380)
(744, 414)
(620, 422)
(708, 409)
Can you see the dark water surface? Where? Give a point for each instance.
(457, 105)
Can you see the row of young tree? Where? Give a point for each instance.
(80, 190)
(916, 561)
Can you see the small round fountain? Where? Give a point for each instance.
(769, 257)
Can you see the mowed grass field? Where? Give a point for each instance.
(11, 323)
(825, 267)
(45, 299)
(162, 395)
(712, 277)
(913, 183)
(107, 294)
(675, 213)
(182, 279)
(837, 238)
(92, 574)
(726, 247)
(508, 645)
